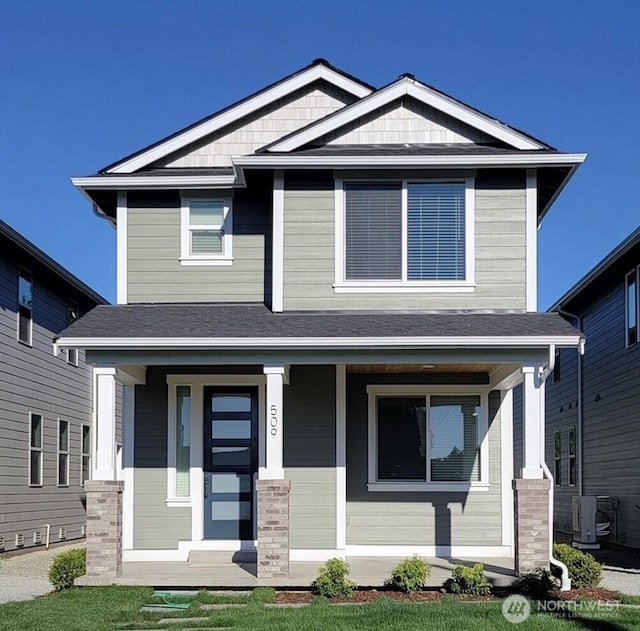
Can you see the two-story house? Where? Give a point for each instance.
(46, 401)
(593, 403)
(326, 294)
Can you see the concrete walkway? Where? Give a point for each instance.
(24, 576)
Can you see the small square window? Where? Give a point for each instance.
(72, 356)
(207, 230)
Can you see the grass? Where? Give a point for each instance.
(109, 608)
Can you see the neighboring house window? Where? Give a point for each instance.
(207, 231)
(572, 455)
(85, 448)
(35, 449)
(425, 438)
(406, 233)
(25, 307)
(72, 316)
(632, 308)
(63, 453)
(557, 368)
(557, 457)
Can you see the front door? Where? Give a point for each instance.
(230, 461)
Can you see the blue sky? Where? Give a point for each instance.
(83, 84)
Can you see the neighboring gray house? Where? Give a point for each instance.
(326, 293)
(46, 400)
(593, 401)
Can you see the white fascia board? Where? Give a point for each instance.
(420, 92)
(243, 109)
(429, 161)
(158, 343)
(98, 182)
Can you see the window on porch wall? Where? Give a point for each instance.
(183, 440)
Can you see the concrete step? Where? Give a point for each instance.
(216, 558)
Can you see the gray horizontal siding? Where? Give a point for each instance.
(154, 272)
(156, 526)
(409, 518)
(309, 249)
(309, 455)
(32, 379)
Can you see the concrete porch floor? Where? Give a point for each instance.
(365, 572)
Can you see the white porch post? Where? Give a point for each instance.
(533, 422)
(104, 467)
(277, 376)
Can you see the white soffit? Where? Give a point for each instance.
(407, 87)
(278, 91)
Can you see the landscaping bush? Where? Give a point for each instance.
(584, 570)
(537, 584)
(468, 580)
(66, 567)
(332, 580)
(410, 575)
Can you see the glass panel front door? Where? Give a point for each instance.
(230, 462)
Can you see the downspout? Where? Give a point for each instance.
(565, 581)
(579, 423)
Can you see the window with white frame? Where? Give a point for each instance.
(63, 453)
(419, 437)
(405, 233)
(573, 442)
(207, 231)
(25, 307)
(183, 440)
(35, 449)
(557, 457)
(85, 454)
(72, 315)
(631, 291)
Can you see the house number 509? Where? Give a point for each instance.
(273, 420)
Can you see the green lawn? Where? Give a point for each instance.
(111, 608)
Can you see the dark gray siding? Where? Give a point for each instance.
(310, 455)
(410, 518)
(32, 379)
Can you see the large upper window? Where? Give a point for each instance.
(207, 229)
(402, 233)
(419, 438)
(25, 307)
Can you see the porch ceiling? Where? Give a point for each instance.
(420, 368)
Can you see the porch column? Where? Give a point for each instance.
(104, 491)
(272, 490)
(531, 491)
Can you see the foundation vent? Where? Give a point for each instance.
(19, 540)
(37, 537)
(83, 532)
(62, 535)
(2, 544)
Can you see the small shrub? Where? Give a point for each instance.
(332, 579)
(66, 567)
(537, 584)
(410, 575)
(584, 570)
(468, 580)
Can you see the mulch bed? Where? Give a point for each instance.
(587, 593)
(371, 595)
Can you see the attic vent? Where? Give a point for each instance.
(2, 544)
(37, 537)
(19, 540)
(84, 531)
(62, 535)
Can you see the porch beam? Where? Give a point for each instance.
(533, 421)
(277, 375)
(132, 375)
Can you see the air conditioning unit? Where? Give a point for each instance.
(584, 509)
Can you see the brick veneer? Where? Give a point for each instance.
(104, 527)
(273, 528)
(531, 525)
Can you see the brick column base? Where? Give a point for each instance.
(273, 528)
(531, 510)
(104, 527)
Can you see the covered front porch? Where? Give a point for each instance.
(358, 437)
(366, 572)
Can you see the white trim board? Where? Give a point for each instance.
(242, 109)
(121, 248)
(531, 240)
(453, 342)
(341, 456)
(128, 465)
(406, 86)
(109, 182)
(506, 466)
(277, 266)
